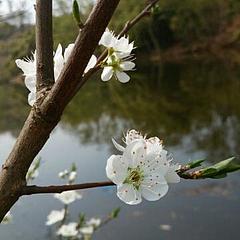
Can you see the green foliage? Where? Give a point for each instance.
(220, 169)
(185, 22)
(73, 168)
(6, 30)
(115, 212)
(81, 219)
(76, 13)
(64, 30)
(195, 164)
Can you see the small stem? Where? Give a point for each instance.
(191, 175)
(29, 190)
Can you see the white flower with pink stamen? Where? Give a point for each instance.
(143, 169)
(119, 58)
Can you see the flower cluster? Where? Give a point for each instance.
(119, 58)
(28, 66)
(66, 198)
(144, 169)
(81, 229)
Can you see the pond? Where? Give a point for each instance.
(192, 105)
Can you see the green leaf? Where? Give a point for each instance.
(223, 175)
(115, 212)
(196, 163)
(221, 169)
(76, 14)
(223, 164)
(73, 167)
(208, 172)
(81, 219)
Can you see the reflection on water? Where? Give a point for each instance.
(175, 101)
(193, 106)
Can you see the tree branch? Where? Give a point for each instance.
(145, 12)
(44, 44)
(29, 190)
(44, 117)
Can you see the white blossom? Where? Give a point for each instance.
(143, 169)
(32, 173)
(72, 176)
(68, 230)
(55, 216)
(95, 222)
(88, 230)
(33, 170)
(28, 66)
(153, 145)
(63, 174)
(119, 58)
(68, 197)
(120, 45)
(116, 67)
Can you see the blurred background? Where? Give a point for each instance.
(186, 90)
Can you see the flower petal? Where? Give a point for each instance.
(30, 82)
(132, 135)
(107, 73)
(154, 144)
(32, 98)
(122, 77)
(128, 194)
(108, 39)
(117, 145)
(68, 196)
(171, 175)
(55, 216)
(28, 67)
(122, 45)
(116, 169)
(58, 62)
(68, 51)
(135, 153)
(154, 165)
(154, 189)
(88, 230)
(91, 64)
(68, 230)
(128, 65)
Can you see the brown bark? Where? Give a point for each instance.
(44, 44)
(43, 118)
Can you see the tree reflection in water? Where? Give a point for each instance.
(195, 100)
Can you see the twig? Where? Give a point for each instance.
(29, 190)
(44, 44)
(194, 175)
(145, 12)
